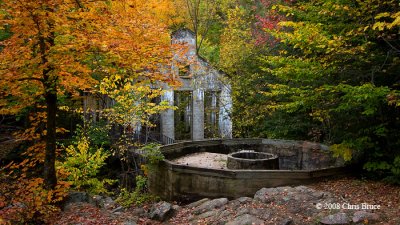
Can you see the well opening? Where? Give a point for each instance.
(251, 160)
(251, 154)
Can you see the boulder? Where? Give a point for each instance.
(246, 219)
(97, 200)
(129, 223)
(287, 221)
(210, 205)
(244, 199)
(360, 216)
(197, 203)
(265, 195)
(161, 211)
(108, 203)
(118, 209)
(338, 218)
(212, 213)
(75, 197)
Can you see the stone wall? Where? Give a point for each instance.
(167, 116)
(198, 115)
(174, 181)
(200, 78)
(300, 155)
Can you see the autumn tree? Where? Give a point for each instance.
(336, 68)
(201, 14)
(61, 46)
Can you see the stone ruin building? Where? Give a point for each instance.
(203, 100)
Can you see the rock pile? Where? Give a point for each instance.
(281, 205)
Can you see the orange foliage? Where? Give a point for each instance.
(128, 34)
(26, 200)
(57, 46)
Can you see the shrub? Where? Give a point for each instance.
(139, 196)
(152, 153)
(391, 171)
(82, 166)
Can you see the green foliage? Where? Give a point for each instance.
(96, 132)
(138, 197)
(4, 29)
(152, 153)
(328, 72)
(342, 150)
(332, 71)
(82, 167)
(236, 43)
(134, 101)
(390, 169)
(5, 33)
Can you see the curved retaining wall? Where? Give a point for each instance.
(300, 163)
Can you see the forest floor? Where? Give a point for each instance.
(356, 191)
(350, 190)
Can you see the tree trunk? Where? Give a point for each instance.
(50, 94)
(49, 175)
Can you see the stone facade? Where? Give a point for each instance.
(198, 78)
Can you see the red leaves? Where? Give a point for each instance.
(24, 200)
(84, 213)
(356, 192)
(267, 22)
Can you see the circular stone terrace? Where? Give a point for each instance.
(199, 168)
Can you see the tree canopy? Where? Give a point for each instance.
(61, 47)
(324, 71)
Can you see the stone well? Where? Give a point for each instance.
(251, 160)
(300, 162)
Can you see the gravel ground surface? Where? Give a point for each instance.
(204, 160)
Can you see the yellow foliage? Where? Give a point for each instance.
(383, 25)
(134, 100)
(82, 165)
(342, 150)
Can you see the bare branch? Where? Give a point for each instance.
(392, 46)
(79, 3)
